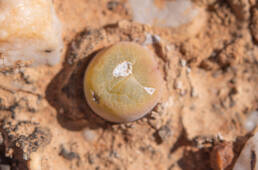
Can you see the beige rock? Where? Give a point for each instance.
(29, 30)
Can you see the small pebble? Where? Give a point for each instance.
(173, 13)
(151, 39)
(178, 84)
(221, 155)
(220, 137)
(164, 132)
(183, 63)
(89, 135)
(194, 93)
(251, 121)
(148, 39)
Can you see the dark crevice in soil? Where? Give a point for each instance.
(14, 163)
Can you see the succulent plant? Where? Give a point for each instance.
(122, 83)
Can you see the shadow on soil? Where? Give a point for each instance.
(192, 159)
(65, 94)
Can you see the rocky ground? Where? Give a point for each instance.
(210, 69)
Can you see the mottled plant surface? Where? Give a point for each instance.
(210, 70)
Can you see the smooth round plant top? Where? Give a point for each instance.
(122, 83)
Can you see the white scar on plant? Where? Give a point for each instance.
(123, 69)
(149, 90)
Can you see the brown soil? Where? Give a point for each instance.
(210, 69)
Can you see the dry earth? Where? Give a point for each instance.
(210, 69)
